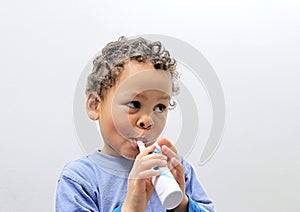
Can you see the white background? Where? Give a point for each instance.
(253, 46)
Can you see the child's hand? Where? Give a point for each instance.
(140, 188)
(176, 168)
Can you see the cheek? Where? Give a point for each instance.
(123, 123)
(160, 121)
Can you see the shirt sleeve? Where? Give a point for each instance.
(118, 209)
(74, 196)
(198, 199)
(195, 207)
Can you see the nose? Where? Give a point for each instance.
(145, 122)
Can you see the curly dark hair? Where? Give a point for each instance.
(109, 63)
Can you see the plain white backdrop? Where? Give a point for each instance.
(253, 46)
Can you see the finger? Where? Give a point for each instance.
(169, 152)
(149, 164)
(147, 150)
(176, 167)
(168, 143)
(178, 172)
(146, 174)
(176, 164)
(154, 156)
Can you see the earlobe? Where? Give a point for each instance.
(93, 103)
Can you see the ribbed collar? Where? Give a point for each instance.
(114, 164)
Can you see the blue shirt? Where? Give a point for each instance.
(98, 183)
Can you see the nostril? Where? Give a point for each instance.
(143, 125)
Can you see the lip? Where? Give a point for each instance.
(143, 139)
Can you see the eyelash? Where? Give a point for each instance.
(163, 108)
(134, 105)
(137, 105)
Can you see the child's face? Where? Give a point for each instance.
(134, 108)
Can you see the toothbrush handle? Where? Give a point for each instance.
(141, 145)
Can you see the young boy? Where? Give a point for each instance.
(129, 92)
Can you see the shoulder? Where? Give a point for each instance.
(190, 173)
(77, 188)
(81, 171)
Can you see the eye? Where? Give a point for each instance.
(160, 108)
(134, 105)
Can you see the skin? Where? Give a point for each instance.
(136, 107)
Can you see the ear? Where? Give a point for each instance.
(93, 104)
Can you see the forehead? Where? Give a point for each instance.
(137, 77)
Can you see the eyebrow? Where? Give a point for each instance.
(163, 97)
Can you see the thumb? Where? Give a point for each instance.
(149, 189)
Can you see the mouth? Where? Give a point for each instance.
(142, 139)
